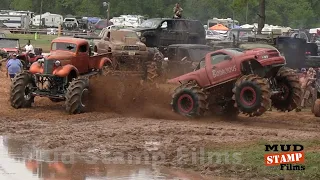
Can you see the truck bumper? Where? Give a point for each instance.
(130, 54)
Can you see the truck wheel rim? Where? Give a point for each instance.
(84, 97)
(185, 103)
(248, 96)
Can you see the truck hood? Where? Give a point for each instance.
(117, 43)
(10, 49)
(257, 51)
(184, 77)
(138, 29)
(61, 55)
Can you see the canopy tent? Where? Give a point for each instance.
(93, 20)
(219, 27)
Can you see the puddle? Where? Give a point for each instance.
(18, 161)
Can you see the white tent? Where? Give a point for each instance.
(314, 30)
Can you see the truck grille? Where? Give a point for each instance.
(48, 66)
(131, 48)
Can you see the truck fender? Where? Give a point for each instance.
(147, 34)
(64, 71)
(36, 68)
(104, 61)
(186, 78)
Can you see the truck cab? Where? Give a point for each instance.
(67, 55)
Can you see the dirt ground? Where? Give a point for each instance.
(130, 118)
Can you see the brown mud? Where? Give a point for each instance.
(130, 96)
(131, 118)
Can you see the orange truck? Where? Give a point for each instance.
(61, 76)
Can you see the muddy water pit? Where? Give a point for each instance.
(21, 161)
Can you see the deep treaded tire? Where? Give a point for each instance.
(21, 89)
(252, 95)
(189, 100)
(288, 80)
(316, 108)
(77, 96)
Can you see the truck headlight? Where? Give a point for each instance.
(57, 63)
(139, 34)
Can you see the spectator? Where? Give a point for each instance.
(29, 49)
(177, 10)
(306, 80)
(14, 66)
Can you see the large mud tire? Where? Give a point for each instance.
(77, 96)
(189, 100)
(316, 108)
(21, 90)
(287, 80)
(252, 95)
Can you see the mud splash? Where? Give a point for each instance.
(128, 96)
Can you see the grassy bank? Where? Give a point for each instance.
(250, 162)
(42, 41)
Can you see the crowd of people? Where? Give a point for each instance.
(307, 80)
(14, 65)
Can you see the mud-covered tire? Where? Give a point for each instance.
(189, 100)
(77, 96)
(288, 80)
(21, 90)
(316, 108)
(252, 95)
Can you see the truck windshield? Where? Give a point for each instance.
(8, 43)
(69, 20)
(64, 46)
(151, 23)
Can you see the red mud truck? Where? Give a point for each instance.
(231, 80)
(61, 76)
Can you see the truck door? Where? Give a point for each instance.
(103, 42)
(179, 32)
(167, 34)
(222, 68)
(82, 62)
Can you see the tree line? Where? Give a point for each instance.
(296, 14)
